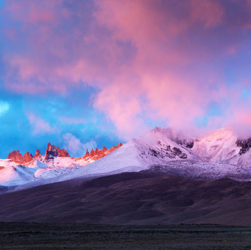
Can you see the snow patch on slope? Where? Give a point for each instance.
(124, 159)
(12, 174)
(220, 146)
(160, 146)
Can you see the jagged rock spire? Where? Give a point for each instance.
(53, 151)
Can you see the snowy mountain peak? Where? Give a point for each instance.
(221, 146)
(163, 145)
(220, 134)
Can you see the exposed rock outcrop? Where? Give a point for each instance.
(119, 145)
(19, 158)
(54, 151)
(245, 145)
(27, 157)
(99, 153)
(87, 154)
(51, 152)
(38, 154)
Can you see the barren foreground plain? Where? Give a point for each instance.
(76, 236)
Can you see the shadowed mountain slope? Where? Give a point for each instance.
(146, 197)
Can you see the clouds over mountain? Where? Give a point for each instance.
(150, 61)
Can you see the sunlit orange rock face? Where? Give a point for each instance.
(51, 152)
(27, 157)
(54, 151)
(38, 154)
(19, 158)
(99, 153)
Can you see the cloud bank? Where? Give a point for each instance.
(151, 61)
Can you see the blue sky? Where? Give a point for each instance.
(60, 114)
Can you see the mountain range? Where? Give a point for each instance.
(20, 169)
(161, 177)
(217, 155)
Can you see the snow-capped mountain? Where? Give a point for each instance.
(22, 169)
(219, 146)
(163, 145)
(219, 154)
(223, 146)
(214, 156)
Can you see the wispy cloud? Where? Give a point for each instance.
(39, 126)
(75, 147)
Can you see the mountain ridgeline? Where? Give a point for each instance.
(161, 177)
(221, 154)
(53, 151)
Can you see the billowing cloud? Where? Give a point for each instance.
(75, 147)
(151, 60)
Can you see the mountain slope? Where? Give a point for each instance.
(221, 146)
(156, 147)
(146, 197)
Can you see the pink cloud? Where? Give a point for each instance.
(149, 59)
(241, 122)
(35, 11)
(208, 12)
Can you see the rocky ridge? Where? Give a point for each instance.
(53, 151)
